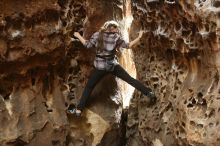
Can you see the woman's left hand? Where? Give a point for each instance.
(140, 34)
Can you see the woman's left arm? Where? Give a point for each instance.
(135, 41)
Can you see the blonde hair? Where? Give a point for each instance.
(110, 23)
(104, 28)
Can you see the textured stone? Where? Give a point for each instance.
(43, 71)
(177, 59)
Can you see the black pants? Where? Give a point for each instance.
(97, 75)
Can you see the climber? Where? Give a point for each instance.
(107, 42)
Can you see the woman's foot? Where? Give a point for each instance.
(73, 110)
(152, 98)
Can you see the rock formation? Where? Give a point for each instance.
(178, 58)
(43, 71)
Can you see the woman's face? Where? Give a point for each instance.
(113, 29)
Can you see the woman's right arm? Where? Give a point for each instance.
(135, 41)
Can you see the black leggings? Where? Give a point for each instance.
(97, 75)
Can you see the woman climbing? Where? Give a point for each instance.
(107, 41)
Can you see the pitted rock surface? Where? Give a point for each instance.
(43, 71)
(178, 60)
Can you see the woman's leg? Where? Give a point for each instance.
(94, 78)
(121, 73)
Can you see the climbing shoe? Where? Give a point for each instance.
(152, 98)
(73, 110)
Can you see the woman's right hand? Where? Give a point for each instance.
(77, 34)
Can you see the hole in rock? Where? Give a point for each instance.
(18, 142)
(193, 101)
(200, 95)
(192, 123)
(211, 124)
(49, 110)
(190, 105)
(200, 125)
(183, 124)
(216, 4)
(177, 26)
(55, 142)
(155, 79)
(203, 102)
(33, 81)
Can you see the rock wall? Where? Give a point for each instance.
(178, 59)
(43, 72)
(32, 42)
